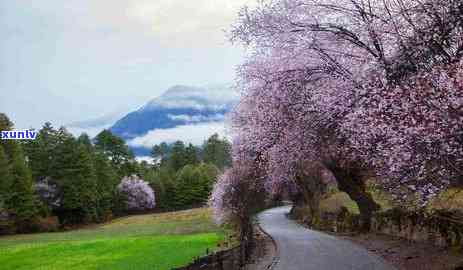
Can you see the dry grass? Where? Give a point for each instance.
(333, 203)
(451, 199)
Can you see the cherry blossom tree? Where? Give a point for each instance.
(412, 132)
(236, 196)
(316, 68)
(139, 196)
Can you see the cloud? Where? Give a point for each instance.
(186, 21)
(149, 160)
(56, 54)
(90, 131)
(196, 118)
(195, 134)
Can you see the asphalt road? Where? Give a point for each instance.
(303, 249)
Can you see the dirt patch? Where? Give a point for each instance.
(406, 255)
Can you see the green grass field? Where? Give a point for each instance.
(158, 242)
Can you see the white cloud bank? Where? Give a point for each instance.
(196, 118)
(90, 131)
(195, 134)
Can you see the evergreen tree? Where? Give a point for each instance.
(41, 152)
(217, 151)
(107, 181)
(19, 196)
(186, 187)
(115, 148)
(22, 199)
(152, 176)
(208, 175)
(160, 152)
(5, 123)
(84, 140)
(77, 179)
(167, 179)
(8, 145)
(191, 155)
(5, 176)
(193, 186)
(178, 157)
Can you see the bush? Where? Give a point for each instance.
(136, 194)
(47, 224)
(6, 226)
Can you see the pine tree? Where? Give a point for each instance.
(41, 151)
(191, 155)
(166, 177)
(119, 153)
(5, 176)
(217, 151)
(84, 140)
(160, 152)
(22, 198)
(208, 175)
(177, 158)
(107, 181)
(185, 188)
(77, 179)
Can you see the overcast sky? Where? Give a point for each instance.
(65, 61)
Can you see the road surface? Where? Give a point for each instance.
(303, 249)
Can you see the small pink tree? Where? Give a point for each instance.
(138, 194)
(236, 196)
(49, 193)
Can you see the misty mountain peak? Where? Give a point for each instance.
(179, 106)
(200, 98)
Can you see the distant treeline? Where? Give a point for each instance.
(58, 180)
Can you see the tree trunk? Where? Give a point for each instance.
(314, 207)
(351, 182)
(311, 184)
(246, 240)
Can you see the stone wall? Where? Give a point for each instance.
(222, 260)
(442, 228)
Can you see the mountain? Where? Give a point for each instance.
(177, 111)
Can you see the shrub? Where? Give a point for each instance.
(44, 224)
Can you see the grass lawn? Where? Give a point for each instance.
(159, 241)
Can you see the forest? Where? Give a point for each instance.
(58, 181)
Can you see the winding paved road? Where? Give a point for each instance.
(303, 249)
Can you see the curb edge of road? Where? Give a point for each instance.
(276, 258)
